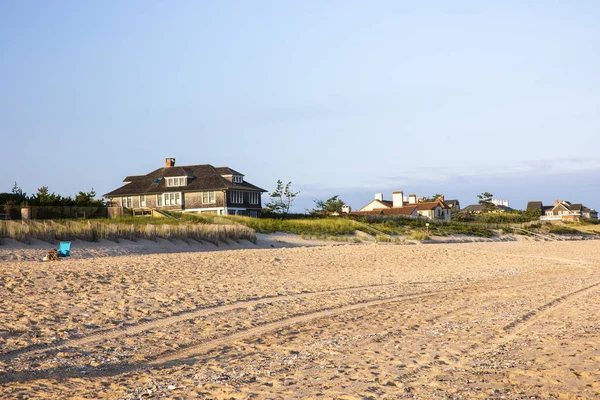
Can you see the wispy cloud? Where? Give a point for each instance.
(525, 168)
(424, 175)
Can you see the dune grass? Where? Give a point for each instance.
(53, 231)
(418, 235)
(321, 226)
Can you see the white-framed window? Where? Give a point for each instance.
(177, 181)
(143, 200)
(238, 179)
(237, 196)
(159, 200)
(172, 199)
(209, 197)
(127, 202)
(254, 197)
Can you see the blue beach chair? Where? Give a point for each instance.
(64, 249)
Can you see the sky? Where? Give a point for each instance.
(342, 98)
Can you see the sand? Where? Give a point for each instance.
(515, 319)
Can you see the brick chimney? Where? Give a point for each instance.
(169, 162)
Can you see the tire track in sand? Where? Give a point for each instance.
(180, 317)
(299, 319)
(175, 357)
(514, 328)
(169, 358)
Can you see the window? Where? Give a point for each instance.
(209, 197)
(237, 196)
(254, 197)
(127, 202)
(179, 181)
(238, 179)
(253, 213)
(159, 201)
(143, 200)
(172, 199)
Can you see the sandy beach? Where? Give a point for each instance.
(284, 320)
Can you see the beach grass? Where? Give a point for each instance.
(319, 226)
(55, 231)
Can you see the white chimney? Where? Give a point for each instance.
(379, 196)
(346, 209)
(398, 199)
(412, 198)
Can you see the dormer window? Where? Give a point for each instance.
(238, 179)
(178, 181)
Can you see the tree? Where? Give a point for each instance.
(485, 199)
(433, 198)
(86, 199)
(17, 191)
(331, 205)
(43, 197)
(281, 198)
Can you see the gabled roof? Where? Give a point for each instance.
(385, 203)
(200, 178)
(407, 210)
(565, 206)
(431, 205)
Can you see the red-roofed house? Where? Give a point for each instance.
(407, 206)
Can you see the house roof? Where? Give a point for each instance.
(535, 205)
(564, 205)
(431, 205)
(200, 178)
(408, 210)
(227, 171)
(452, 203)
(480, 208)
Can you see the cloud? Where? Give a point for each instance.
(531, 168)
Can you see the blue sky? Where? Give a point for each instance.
(341, 97)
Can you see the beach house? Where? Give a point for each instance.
(190, 188)
(562, 210)
(408, 206)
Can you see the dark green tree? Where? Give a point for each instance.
(485, 199)
(331, 205)
(433, 198)
(87, 199)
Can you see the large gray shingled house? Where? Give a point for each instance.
(190, 188)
